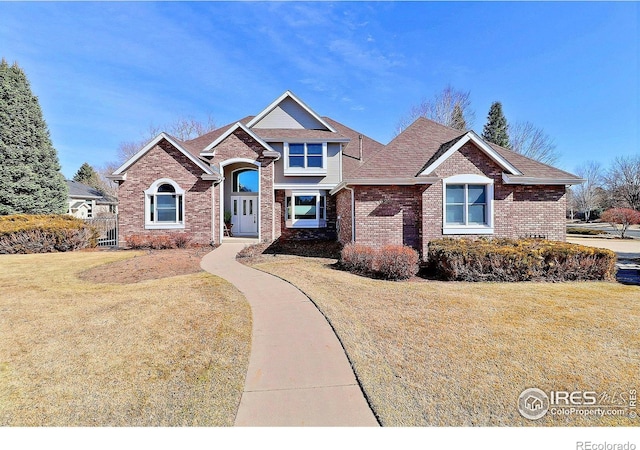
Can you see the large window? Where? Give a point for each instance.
(164, 205)
(305, 158)
(305, 209)
(468, 206)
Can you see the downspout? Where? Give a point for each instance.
(353, 213)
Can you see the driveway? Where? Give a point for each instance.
(628, 251)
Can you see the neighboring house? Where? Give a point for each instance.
(86, 202)
(291, 173)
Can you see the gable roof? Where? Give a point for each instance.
(282, 98)
(81, 190)
(425, 144)
(177, 144)
(85, 192)
(208, 150)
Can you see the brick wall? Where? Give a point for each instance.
(388, 215)
(164, 161)
(519, 211)
(343, 209)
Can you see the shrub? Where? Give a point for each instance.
(158, 241)
(23, 233)
(396, 262)
(587, 231)
(518, 260)
(621, 216)
(358, 258)
(392, 262)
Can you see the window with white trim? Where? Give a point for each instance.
(467, 205)
(305, 209)
(305, 158)
(164, 205)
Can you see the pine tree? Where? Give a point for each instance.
(87, 175)
(30, 177)
(495, 130)
(457, 118)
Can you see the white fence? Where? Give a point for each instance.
(108, 230)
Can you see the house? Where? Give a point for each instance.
(288, 172)
(86, 202)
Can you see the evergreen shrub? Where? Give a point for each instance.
(24, 233)
(518, 260)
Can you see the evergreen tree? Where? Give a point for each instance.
(87, 175)
(457, 118)
(30, 177)
(495, 130)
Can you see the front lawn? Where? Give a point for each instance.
(457, 354)
(171, 351)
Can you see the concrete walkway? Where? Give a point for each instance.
(298, 373)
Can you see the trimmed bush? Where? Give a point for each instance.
(158, 241)
(392, 262)
(587, 231)
(23, 233)
(358, 258)
(396, 262)
(518, 260)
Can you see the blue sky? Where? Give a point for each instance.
(105, 72)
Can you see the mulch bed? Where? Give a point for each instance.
(152, 265)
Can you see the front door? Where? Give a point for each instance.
(244, 215)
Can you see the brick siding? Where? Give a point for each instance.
(412, 215)
(164, 161)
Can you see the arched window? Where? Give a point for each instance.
(164, 205)
(245, 180)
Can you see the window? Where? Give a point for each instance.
(305, 209)
(305, 158)
(245, 180)
(468, 205)
(164, 205)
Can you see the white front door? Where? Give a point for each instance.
(244, 214)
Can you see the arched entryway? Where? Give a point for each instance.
(241, 198)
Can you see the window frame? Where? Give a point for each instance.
(306, 170)
(467, 180)
(151, 198)
(320, 220)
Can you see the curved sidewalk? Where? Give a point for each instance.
(298, 373)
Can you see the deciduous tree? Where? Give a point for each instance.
(528, 140)
(449, 107)
(623, 181)
(621, 216)
(588, 194)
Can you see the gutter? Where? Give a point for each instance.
(508, 179)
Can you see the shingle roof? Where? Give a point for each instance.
(424, 141)
(83, 191)
(351, 160)
(80, 190)
(408, 152)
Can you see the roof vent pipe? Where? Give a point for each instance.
(360, 148)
